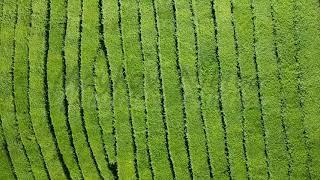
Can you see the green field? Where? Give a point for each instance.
(160, 89)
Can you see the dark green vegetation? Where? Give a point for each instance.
(159, 89)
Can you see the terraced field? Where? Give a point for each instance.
(159, 89)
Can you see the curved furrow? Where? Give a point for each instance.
(38, 108)
(286, 22)
(283, 103)
(262, 119)
(269, 93)
(123, 129)
(174, 91)
(306, 30)
(135, 77)
(99, 75)
(230, 101)
(47, 27)
(97, 108)
(10, 123)
(89, 48)
(55, 83)
(200, 88)
(71, 136)
(187, 37)
(143, 69)
(222, 115)
(13, 92)
(240, 82)
(125, 134)
(208, 77)
(107, 86)
(81, 96)
(156, 123)
(31, 125)
(108, 20)
(256, 164)
(161, 87)
(127, 87)
(87, 160)
(182, 88)
(300, 85)
(21, 85)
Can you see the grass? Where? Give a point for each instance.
(159, 89)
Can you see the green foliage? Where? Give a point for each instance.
(159, 89)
